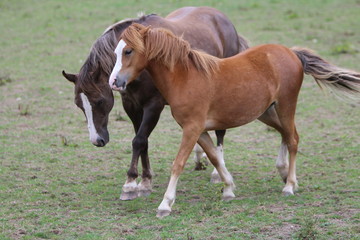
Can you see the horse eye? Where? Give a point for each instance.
(128, 51)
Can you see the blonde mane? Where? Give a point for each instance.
(162, 45)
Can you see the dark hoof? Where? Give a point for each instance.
(144, 193)
(197, 168)
(128, 196)
(163, 213)
(200, 166)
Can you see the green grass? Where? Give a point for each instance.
(55, 185)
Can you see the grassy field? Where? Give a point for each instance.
(55, 185)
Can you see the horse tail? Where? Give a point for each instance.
(344, 83)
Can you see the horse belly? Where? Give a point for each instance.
(239, 107)
(233, 117)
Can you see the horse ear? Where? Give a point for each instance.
(71, 77)
(145, 29)
(140, 28)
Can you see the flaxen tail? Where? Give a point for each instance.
(344, 83)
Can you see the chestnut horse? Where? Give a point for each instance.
(205, 28)
(207, 93)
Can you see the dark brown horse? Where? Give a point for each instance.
(207, 93)
(205, 28)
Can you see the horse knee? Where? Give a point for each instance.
(140, 143)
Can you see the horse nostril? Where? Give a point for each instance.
(100, 142)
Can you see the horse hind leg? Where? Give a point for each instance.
(286, 114)
(215, 177)
(282, 162)
(201, 162)
(291, 139)
(200, 158)
(271, 119)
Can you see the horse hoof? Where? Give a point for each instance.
(288, 193)
(215, 179)
(144, 193)
(228, 198)
(200, 168)
(163, 213)
(125, 196)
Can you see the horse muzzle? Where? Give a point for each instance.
(100, 141)
(121, 81)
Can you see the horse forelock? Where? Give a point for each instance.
(162, 45)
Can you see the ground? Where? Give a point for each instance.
(55, 185)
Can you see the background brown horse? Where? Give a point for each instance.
(205, 28)
(206, 93)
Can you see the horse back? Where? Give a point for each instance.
(270, 64)
(204, 28)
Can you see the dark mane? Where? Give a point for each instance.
(101, 56)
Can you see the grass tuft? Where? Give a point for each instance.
(290, 14)
(23, 109)
(5, 80)
(65, 142)
(344, 48)
(308, 230)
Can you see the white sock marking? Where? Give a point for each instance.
(89, 116)
(282, 160)
(130, 186)
(118, 51)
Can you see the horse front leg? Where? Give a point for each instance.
(151, 116)
(130, 188)
(189, 138)
(144, 120)
(216, 157)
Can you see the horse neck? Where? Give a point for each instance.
(162, 77)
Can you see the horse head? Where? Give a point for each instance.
(95, 98)
(130, 58)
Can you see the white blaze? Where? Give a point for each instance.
(118, 51)
(89, 116)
